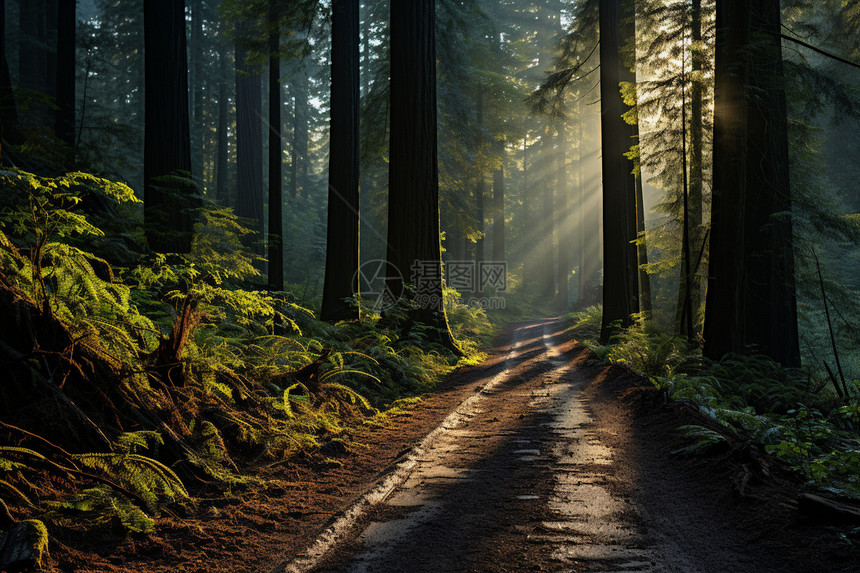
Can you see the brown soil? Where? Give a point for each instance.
(718, 512)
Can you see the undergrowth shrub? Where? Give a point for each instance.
(176, 366)
(794, 414)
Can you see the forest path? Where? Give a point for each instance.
(522, 477)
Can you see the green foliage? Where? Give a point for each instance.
(787, 411)
(102, 505)
(647, 349)
(702, 438)
(148, 478)
(38, 537)
(585, 324)
(261, 376)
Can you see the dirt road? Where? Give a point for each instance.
(532, 461)
(521, 477)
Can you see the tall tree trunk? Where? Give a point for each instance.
(275, 240)
(697, 235)
(197, 88)
(499, 215)
(222, 192)
(690, 296)
(8, 109)
(645, 303)
(249, 142)
(342, 247)
(413, 172)
(480, 189)
(169, 194)
(685, 316)
(620, 260)
(751, 298)
(547, 218)
(32, 56)
(589, 228)
(299, 175)
(565, 234)
(65, 115)
(366, 69)
(50, 48)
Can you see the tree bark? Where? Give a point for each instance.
(589, 200)
(547, 219)
(169, 193)
(8, 109)
(65, 115)
(197, 88)
(50, 48)
(480, 191)
(299, 175)
(565, 233)
(32, 55)
(751, 302)
(249, 143)
(342, 246)
(275, 242)
(499, 215)
(620, 264)
(413, 172)
(222, 193)
(691, 295)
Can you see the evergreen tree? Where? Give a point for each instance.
(620, 274)
(169, 193)
(275, 239)
(249, 136)
(751, 296)
(414, 247)
(66, 29)
(342, 247)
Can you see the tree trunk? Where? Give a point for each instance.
(645, 304)
(342, 247)
(299, 175)
(275, 240)
(480, 189)
(689, 297)
(366, 69)
(249, 143)
(589, 235)
(499, 215)
(197, 89)
(169, 193)
(65, 116)
(547, 219)
(751, 302)
(222, 193)
(32, 56)
(50, 49)
(697, 235)
(8, 109)
(564, 231)
(620, 274)
(413, 172)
